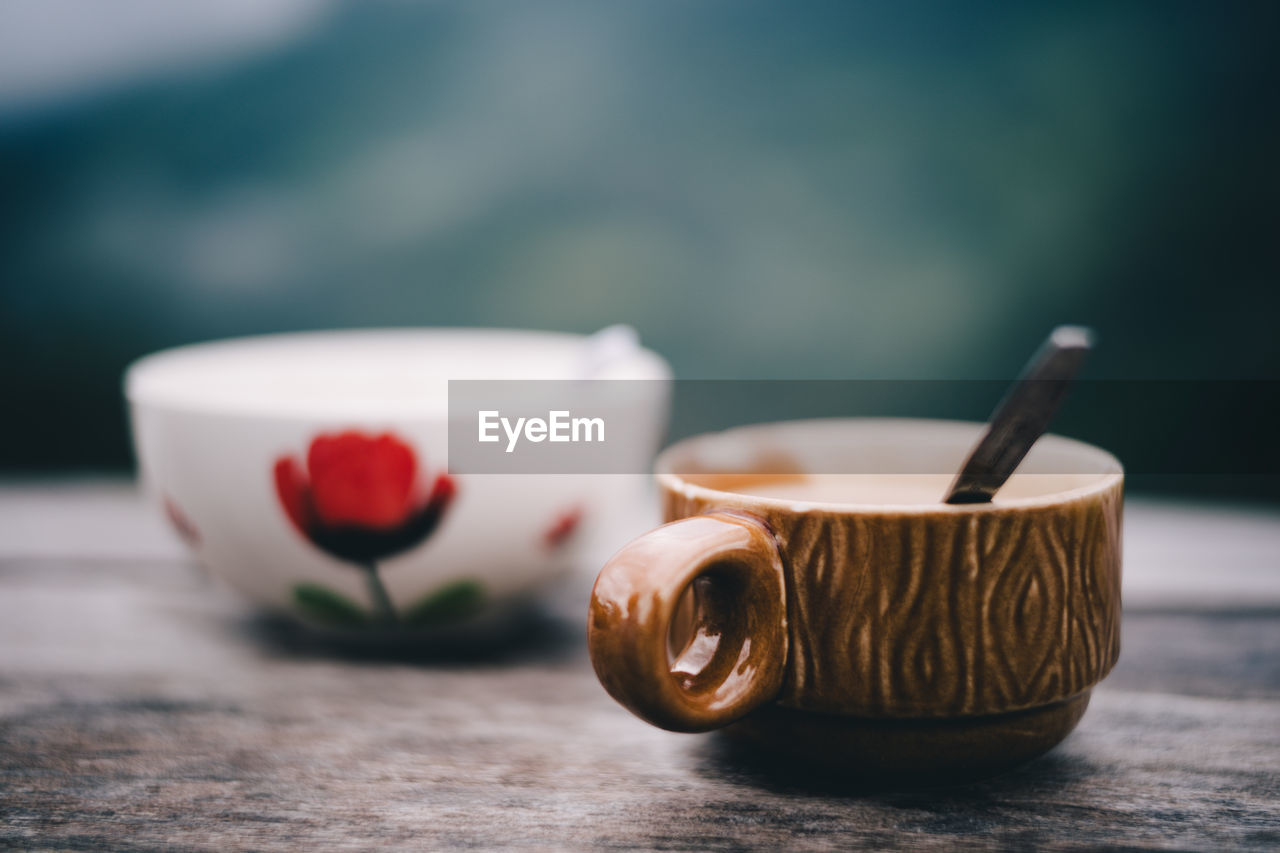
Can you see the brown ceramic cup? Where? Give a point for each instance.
(895, 637)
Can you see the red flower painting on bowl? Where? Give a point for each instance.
(361, 498)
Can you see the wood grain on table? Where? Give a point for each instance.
(141, 706)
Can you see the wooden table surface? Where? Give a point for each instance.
(141, 707)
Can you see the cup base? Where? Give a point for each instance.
(913, 752)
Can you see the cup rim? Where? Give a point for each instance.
(145, 383)
(671, 480)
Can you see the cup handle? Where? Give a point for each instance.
(734, 660)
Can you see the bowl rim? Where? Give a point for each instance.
(141, 391)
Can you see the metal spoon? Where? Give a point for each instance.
(1022, 416)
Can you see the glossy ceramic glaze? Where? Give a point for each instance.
(967, 621)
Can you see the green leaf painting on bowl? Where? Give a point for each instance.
(448, 605)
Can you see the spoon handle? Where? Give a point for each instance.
(1022, 416)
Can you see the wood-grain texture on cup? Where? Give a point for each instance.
(955, 612)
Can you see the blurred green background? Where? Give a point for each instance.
(764, 190)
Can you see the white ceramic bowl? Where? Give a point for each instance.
(306, 469)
